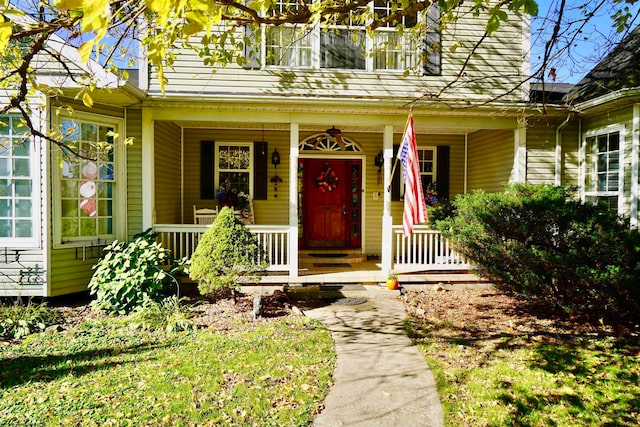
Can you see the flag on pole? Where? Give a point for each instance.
(415, 209)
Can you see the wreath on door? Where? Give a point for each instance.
(327, 180)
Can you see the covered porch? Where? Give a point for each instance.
(467, 151)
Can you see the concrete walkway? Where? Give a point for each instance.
(380, 378)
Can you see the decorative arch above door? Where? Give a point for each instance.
(330, 141)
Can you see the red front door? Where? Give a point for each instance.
(330, 203)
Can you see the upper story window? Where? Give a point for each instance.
(18, 173)
(603, 163)
(89, 192)
(346, 45)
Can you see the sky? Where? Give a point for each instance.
(592, 44)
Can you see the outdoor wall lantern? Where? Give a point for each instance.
(275, 158)
(379, 161)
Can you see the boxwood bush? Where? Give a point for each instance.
(540, 241)
(227, 254)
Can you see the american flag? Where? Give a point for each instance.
(415, 209)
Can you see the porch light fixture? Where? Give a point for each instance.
(379, 161)
(275, 158)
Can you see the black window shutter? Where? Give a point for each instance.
(395, 179)
(260, 170)
(207, 170)
(442, 173)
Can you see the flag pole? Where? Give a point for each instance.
(393, 170)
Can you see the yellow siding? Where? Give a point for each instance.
(167, 173)
(570, 154)
(541, 151)
(494, 69)
(491, 155)
(134, 173)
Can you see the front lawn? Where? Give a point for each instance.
(499, 365)
(103, 372)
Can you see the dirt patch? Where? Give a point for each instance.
(486, 312)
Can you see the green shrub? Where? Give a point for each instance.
(18, 320)
(130, 272)
(540, 241)
(226, 254)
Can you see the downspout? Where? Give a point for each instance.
(558, 162)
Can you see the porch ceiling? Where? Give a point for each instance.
(321, 128)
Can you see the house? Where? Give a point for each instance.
(307, 129)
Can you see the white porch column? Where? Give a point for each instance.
(148, 170)
(387, 220)
(520, 154)
(635, 153)
(294, 138)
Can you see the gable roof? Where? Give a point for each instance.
(620, 69)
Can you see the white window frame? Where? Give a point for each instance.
(35, 172)
(119, 195)
(250, 170)
(595, 133)
(434, 172)
(369, 47)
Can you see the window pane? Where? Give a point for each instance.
(105, 190)
(70, 208)
(21, 147)
(70, 227)
(88, 227)
(342, 49)
(614, 141)
(104, 226)
(602, 182)
(70, 130)
(6, 208)
(106, 172)
(4, 125)
(23, 208)
(105, 208)
(69, 188)
(89, 132)
(5, 228)
(23, 187)
(21, 167)
(23, 228)
(613, 182)
(5, 188)
(4, 167)
(602, 144)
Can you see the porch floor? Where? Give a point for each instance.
(368, 272)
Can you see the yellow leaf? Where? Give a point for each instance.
(69, 4)
(85, 50)
(87, 100)
(5, 34)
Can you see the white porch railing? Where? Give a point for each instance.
(425, 249)
(182, 240)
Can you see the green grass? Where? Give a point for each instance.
(106, 374)
(519, 380)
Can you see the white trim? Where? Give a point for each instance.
(294, 140)
(387, 219)
(635, 154)
(119, 196)
(594, 133)
(520, 154)
(148, 170)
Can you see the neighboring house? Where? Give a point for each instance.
(323, 107)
